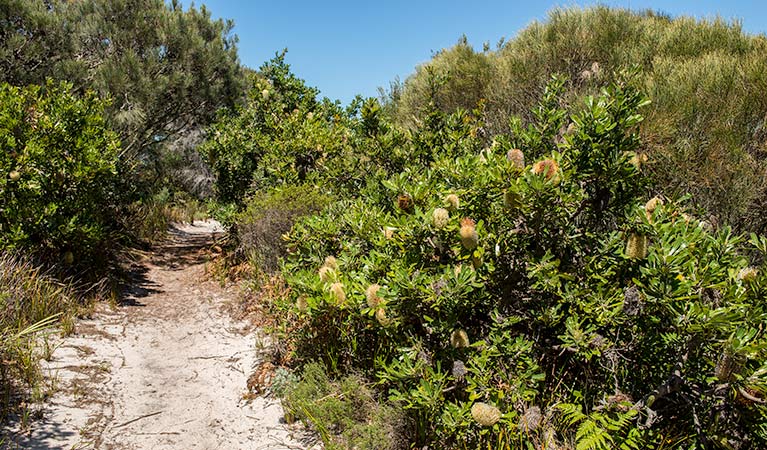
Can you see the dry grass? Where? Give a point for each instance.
(31, 303)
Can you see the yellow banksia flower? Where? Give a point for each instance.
(548, 168)
(459, 339)
(651, 206)
(440, 217)
(516, 158)
(371, 293)
(265, 94)
(748, 274)
(14, 175)
(301, 304)
(452, 202)
(484, 414)
(327, 273)
(388, 232)
(638, 160)
(330, 261)
(636, 247)
(469, 236)
(381, 317)
(337, 291)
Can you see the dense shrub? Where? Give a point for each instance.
(268, 216)
(527, 295)
(58, 166)
(704, 133)
(346, 412)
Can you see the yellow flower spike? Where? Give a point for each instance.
(484, 414)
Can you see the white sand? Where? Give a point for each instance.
(166, 371)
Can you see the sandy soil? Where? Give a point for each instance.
(167, 369)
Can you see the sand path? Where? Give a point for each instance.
(167, 369)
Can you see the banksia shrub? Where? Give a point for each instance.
(371, 293)
(516, 158)
(440, 217)
(459, 339)
(337, 291)
(484, 414)
(636, 247)
(469, 236)
(548, 168)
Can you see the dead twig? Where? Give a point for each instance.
(138, 418)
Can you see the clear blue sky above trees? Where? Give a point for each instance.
(353, 47)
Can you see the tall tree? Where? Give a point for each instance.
(166, 70)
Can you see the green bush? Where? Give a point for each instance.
(537, 304)
(268, 216)
(346, 413)
(704, 133)
(58, 172)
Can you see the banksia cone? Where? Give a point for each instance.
(512, 199)
(302, 304)
(651, 206)
(516, 158)
(459, 339)
(405, 202)
(331, 262)
(484, 414)
(440, 217)
(337, 291)
(452, 202)
(531, 419)
(327, 273)
(548, 168)
(748, 274)
(638, 160)
(371, 293)
(381, 317)
(469, 236)
(636, 247)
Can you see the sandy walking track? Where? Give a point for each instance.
(165, 370)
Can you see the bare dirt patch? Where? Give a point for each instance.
(165, 369)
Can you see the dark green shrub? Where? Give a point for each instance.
(57, 172)
(544, 306)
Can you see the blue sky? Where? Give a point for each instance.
(352, 47)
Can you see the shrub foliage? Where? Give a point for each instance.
(525, 294)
